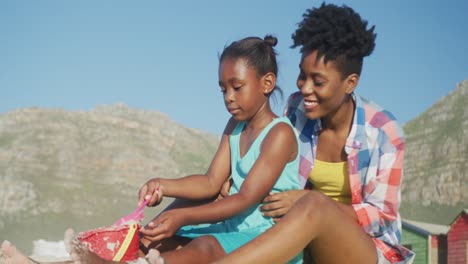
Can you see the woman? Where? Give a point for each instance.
(351, 156)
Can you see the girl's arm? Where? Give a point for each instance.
(278, 148)
(197, 186)
(278, 204)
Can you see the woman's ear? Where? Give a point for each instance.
(351, 83)
(268, 82)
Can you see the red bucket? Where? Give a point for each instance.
(116, 243)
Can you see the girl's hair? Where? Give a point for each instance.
(337, 33)
(258, 53)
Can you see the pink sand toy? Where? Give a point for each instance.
(137, 215)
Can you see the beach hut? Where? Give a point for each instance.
(428, 241)
(457, 239)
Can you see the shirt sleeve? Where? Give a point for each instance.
(381, 193)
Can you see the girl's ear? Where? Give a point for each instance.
(268, 82)
(351, 82)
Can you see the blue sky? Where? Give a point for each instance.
(163, 55)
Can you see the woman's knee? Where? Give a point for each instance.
(312, 202)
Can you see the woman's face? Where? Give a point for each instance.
(322, 86)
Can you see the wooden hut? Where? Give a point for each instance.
(457, 239)
(428, 241)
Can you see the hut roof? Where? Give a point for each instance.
(426, 228)
(464, 211)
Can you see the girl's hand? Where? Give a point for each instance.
(153, 190)
(276, 205)
(163, 226)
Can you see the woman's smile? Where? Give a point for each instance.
(310, 105)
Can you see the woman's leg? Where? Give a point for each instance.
(315, 221)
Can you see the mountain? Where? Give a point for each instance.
(83, 170)
(435, 186)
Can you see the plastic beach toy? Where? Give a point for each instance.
(136, 215)
(116, 243)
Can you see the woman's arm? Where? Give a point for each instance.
(276, 205)
(381, 193)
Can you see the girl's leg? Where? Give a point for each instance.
(315, 221)
(154, 257)
(10, 255)
(168, 244)
(204, 249)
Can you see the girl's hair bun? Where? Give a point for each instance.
(270, 40)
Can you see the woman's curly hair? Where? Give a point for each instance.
(337, 33)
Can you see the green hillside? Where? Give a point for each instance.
(83, 169)
(436, 176)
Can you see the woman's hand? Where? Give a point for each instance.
(224, 192)
(153, 190)
(163, 226)
(276, 205)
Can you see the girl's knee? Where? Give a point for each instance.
(207, 244)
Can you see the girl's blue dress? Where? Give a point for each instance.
(240, 229)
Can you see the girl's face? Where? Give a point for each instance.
(242, 90)
(322, 86)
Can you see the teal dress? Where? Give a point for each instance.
(240, 229)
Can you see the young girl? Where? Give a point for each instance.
(258, 150)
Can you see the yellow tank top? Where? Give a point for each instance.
(332, 179)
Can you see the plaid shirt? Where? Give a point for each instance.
(375, 149)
